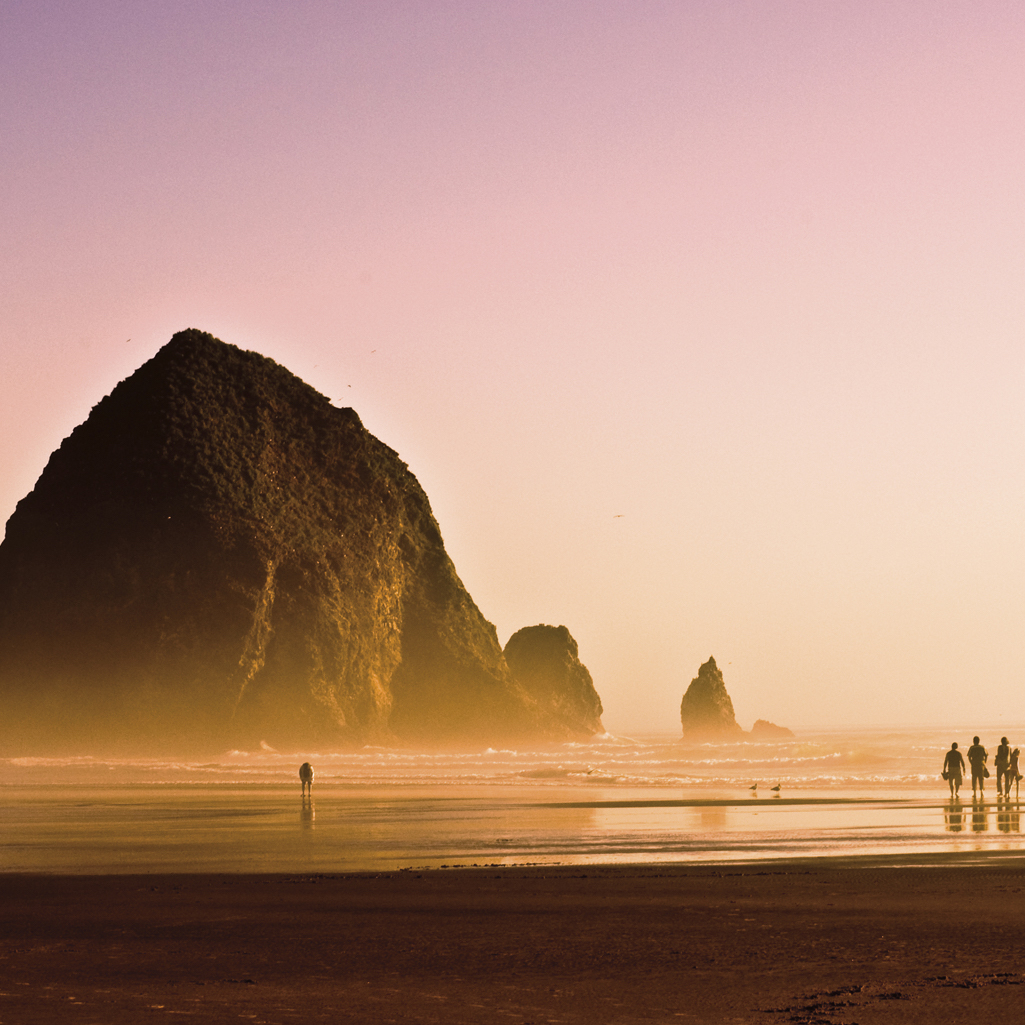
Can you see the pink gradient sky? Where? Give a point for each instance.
(701, 323)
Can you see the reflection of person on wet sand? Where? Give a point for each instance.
(953, 769)
(953, 816)
(977, 756)
(1002, 763)
(1008, 818)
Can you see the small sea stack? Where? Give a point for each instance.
(706, 712)
(765, 730)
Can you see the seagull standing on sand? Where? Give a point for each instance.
(755, 787)
(776, 789)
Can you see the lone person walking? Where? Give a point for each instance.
(306, 778)
(977, 756)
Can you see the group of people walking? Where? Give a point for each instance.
(1005, 763)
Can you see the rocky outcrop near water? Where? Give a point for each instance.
(765, 730)
(219, 557)
(706, 711)
(545, 662)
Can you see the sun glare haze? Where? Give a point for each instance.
(699, 323)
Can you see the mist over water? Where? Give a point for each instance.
(837, 760)
(613, 799)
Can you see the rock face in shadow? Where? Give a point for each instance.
(219, 557)
(706, 711)
(765, 730)
(545, 662)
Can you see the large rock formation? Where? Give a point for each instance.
(545, 661)
(706, 711)
(218, 557)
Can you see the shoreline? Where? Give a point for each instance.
(1012, 860)
(828, 940)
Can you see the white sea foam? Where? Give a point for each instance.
(854, 760)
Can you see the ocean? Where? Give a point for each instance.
(645, 799)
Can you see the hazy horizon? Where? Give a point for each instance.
(700, 324)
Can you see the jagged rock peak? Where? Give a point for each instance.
(706, 711)
(545, 662)
(219, 556)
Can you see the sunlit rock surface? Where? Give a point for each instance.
(545, 661)
(706, 711)
(219, 556)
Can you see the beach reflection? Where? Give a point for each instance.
(980, 817)
(712, 818)
(307, 815)
(953, 817)
(245, 828)
(1009, 817)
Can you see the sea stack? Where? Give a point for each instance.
(545, 662)
(765, 730)
(218, 556)
(706, 711)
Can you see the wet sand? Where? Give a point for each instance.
(829, 942)
(61, 829)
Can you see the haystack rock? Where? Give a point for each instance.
(706, 711)
(545, 661)
(219, 556)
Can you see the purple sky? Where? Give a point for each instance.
(701, 323)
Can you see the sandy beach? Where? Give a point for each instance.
(870, 940)
(510, 887)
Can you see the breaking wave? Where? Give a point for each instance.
(834, 760)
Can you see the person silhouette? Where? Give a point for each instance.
(953, 769)
(1002, 763)
(306, 778)
(977, 756)
(1013, 773)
